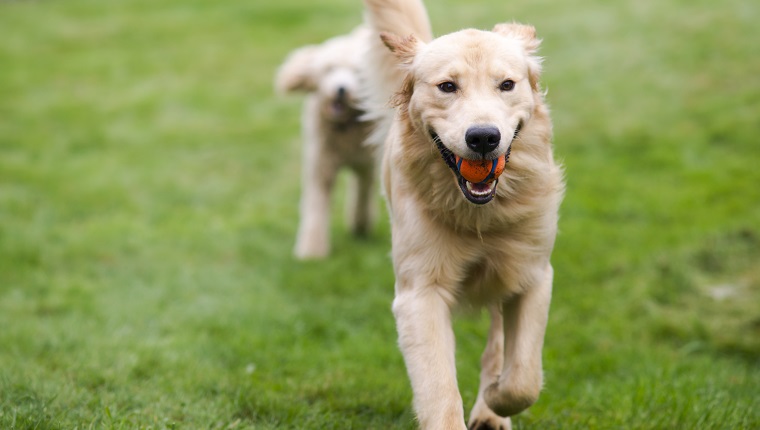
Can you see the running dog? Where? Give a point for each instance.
(333, 137)
(469, 95)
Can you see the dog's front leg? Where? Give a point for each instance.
(525, 317)
(426, 339)
(491, 362)
(313, 240)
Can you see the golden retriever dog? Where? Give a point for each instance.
(333, 137)
(473, 95)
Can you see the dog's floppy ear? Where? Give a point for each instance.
(298, 72)
(404, 48)
(526, 35)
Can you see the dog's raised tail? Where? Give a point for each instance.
(382, 73)
(401, 17)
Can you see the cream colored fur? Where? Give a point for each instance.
(333, 137)
(446, 250)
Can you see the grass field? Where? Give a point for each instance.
(148, 207)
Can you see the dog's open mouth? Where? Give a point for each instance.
(342, 112)
(477, 193)
(339, 106)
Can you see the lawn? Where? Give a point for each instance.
(148, 208)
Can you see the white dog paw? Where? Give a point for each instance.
(311, 251)
(493, 423)
(482, 418)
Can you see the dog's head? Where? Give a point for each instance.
(328, 70)
(470, 92)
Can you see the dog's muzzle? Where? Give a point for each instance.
(477, 193)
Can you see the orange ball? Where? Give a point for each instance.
(477, 171)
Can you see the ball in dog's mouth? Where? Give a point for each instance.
(478, 193)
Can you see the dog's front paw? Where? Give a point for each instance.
(483, 418)
(311, 250)
(497, 423)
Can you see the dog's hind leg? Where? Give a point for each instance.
(481, 416)
(360, 205)
(525, 317)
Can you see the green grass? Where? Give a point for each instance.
(148, 205)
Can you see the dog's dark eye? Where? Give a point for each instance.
(447, 87)
(507, 85)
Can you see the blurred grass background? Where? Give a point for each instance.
(148, 205)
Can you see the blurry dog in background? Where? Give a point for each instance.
(333, 137)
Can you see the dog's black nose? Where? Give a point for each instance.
(482, 138)
(341, 92)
